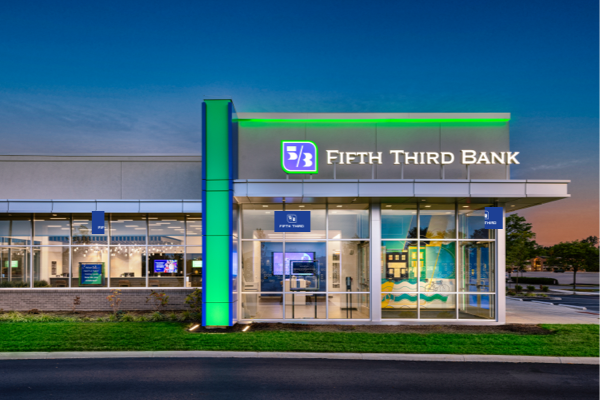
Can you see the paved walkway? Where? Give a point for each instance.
(526, 312)
(565, 278)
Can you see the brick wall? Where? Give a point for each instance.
(91, 299)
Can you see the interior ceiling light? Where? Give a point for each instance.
(339, 206)
(427, 206)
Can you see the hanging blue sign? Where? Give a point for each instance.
(493, 218)
(292, 221)
(97, 222)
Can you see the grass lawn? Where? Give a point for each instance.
(566, 340)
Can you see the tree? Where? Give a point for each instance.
(520, 243)
(578, 255)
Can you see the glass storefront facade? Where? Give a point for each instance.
(431, 269)
(337, 249)
(59, 251)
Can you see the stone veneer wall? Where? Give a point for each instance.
(91, 299)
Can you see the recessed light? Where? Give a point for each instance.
(388, 205)
(423, 200)
(338, 206)
(265, 206)
(301, 206)
(465, 206)
(427, 206)
(512, 206)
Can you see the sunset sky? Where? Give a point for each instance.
(129, 77)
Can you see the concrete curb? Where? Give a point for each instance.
(335, 356)
(576, 293)
(573, 307)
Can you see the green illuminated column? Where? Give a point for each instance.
(219, 164)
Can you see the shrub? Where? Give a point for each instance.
(194, 301)
(156, 317)
(140, 318)
(518, 288)
(114, 300)
(544, 288)
(530, 295)
(511, 293)
(173, 317)
(14, 284)
(127, 318)
(530, 288)
(41, 283)
(159, 300)
(544, 281)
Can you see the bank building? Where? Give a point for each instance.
(342, 218)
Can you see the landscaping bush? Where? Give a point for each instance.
(530, 288)
(544, 288)
(40, 284)
(518, 288)
(511, 293)
(544, 281)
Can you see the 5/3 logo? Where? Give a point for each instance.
(299, 157)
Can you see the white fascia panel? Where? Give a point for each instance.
(442, 189)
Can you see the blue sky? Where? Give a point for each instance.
(129, 77)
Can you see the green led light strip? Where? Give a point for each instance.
(414, 120)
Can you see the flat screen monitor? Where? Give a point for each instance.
(278, 261)
(165, 266)
(196, 263)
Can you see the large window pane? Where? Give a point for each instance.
(348, 221)
(438, 221)
(51, 229)
(15, 230)
(349, 306)
(166, 229)
(51, 266)
(194, 266)
(194, 229)
(303, 305)
(438, 306)
(476, 266)
(317, 221)
(348, 266)
(438, 266)
(258, 221)
(473, 306)
(262, 306)
(262, 267)
(128, 266)
(398, 221)
(128, 229)
(305, 266)
(82, 230)
(400, 266)
(399, 306)
(89, 266)
(471, 222)
(165, 266)
(14, 264)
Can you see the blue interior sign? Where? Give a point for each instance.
(493, 218)
(292, 221)
(97, 222)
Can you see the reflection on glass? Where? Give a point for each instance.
(399, 305)
(14, 264)
(128, 266)
(303, 305)
(166, 229)
(15, 230)
(258, 221)
(437, 221)
(348, 221)
(398, 221)
(477, 267)
(473, 306)
(128, 229)
(349, 306)
(438, 266)
(400, 266)
(82, 230)
(51, 266)
(51, 229)
(258, 271)
(261, 306)
(348, 266)
(438, 306)
(471, 222)
(89, 266)
(194, 266)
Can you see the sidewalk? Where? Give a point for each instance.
(336, 356)
(525, 312)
